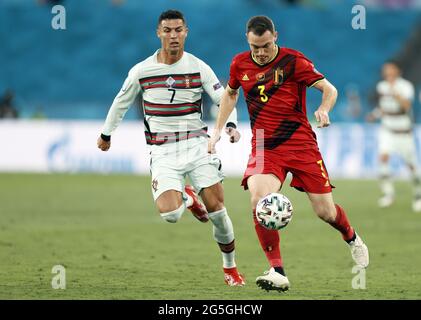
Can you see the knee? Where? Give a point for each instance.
(255, 199)
(173, 216)
(165, 207)
(214, 203)
(170, 211)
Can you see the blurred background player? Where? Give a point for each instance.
(7, 107)
(274, 82)
(171, 83)
(395, 98)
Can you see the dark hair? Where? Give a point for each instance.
(260, 24)
(394, 62)
(171, 15)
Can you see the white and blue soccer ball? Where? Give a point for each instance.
(274, 211)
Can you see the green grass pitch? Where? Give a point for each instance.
(113, 244)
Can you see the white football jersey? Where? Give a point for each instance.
(172, 95)
(394, 118)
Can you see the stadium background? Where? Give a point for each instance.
(63, 83)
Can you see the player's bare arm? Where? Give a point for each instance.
(403, 102)
(328, 101)
(374, 115)
(228, 102)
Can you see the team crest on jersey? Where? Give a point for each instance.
(170, 81)
(187, 81)
(260, 76)
(245, 78)
(278, 76)
(155, 185)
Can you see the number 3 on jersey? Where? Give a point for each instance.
(263, 96)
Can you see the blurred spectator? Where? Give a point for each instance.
(354, 107)
(7, 110)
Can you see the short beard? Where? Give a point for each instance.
(174, 52)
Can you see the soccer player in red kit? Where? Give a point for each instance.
(274, 82)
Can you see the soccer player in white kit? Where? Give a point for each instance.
(396, 134)
(171, 83)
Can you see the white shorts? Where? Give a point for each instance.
(172, 163)
(402, 144)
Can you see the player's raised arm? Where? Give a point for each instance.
(329, 95)
(227, 105)
(118, 109)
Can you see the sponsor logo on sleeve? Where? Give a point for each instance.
(217, 86)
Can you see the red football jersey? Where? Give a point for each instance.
(275, 94)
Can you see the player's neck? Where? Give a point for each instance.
(275, 53)
(167, 58)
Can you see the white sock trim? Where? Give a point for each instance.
(223, 231)
(175, 215)
(217, 213)
(228, 259)
(188, 200)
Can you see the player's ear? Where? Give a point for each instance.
(275, 35)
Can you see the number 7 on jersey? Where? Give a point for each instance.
(173, 94)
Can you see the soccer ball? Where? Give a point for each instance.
(274, 211)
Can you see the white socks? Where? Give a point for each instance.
(386, 184)
(175, 215)
(188, 200)
(223, 233)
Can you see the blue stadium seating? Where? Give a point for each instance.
(75, 73)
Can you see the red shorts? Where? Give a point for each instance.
(307, 167)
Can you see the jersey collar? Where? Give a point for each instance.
(267, 63)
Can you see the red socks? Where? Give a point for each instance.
(269, 240)
(342, 224)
